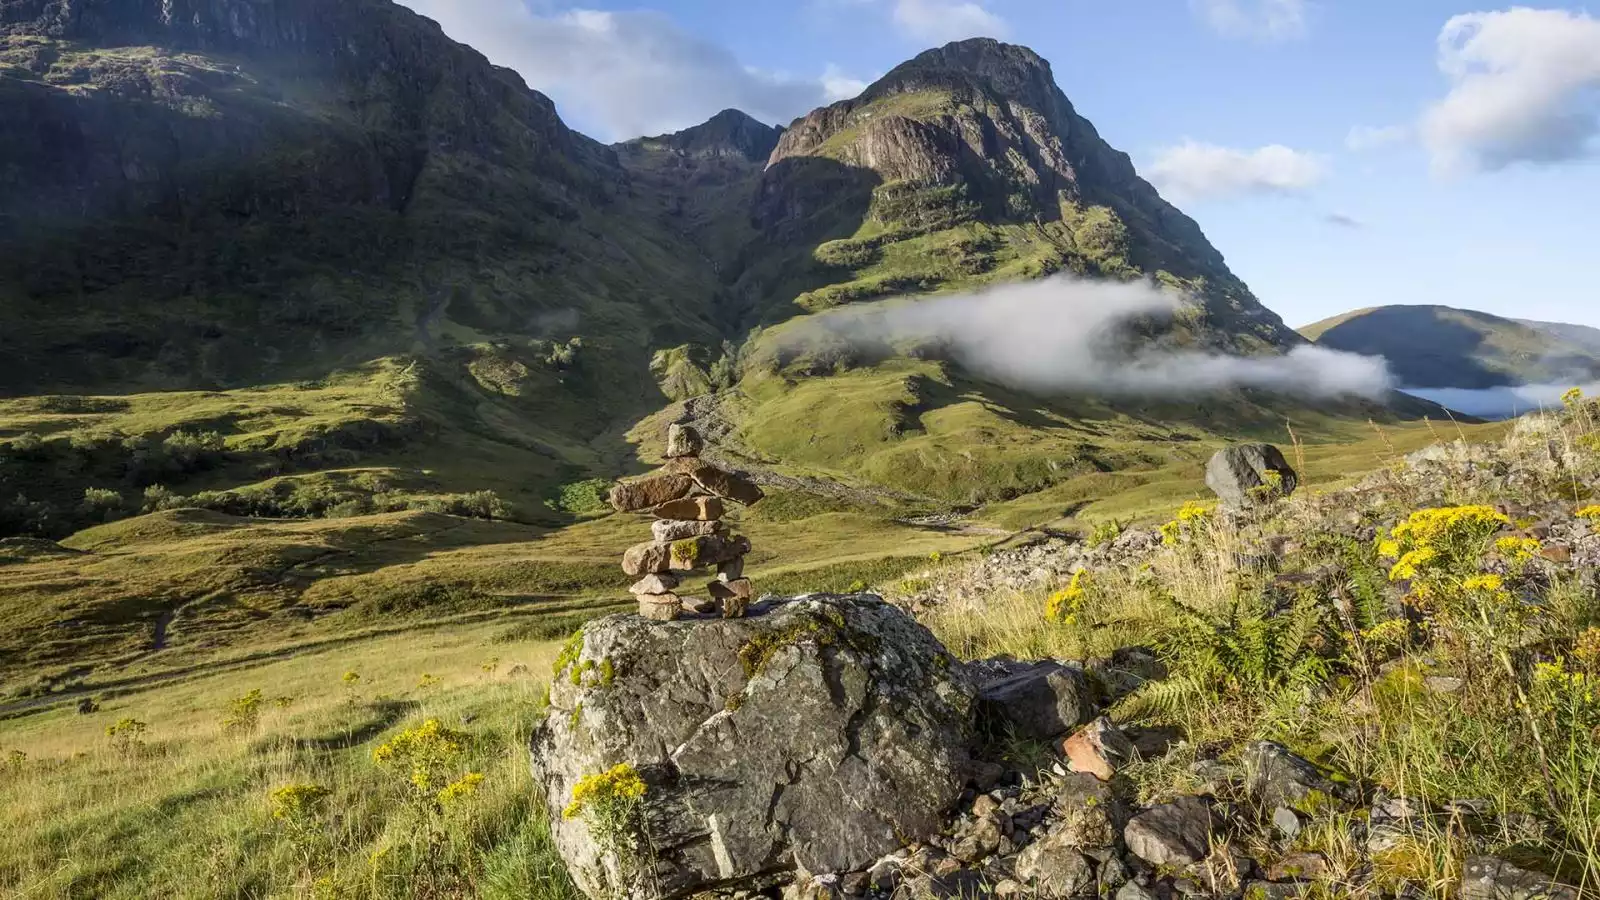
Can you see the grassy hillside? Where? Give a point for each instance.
(1442, 347)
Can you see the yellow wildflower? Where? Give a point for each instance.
(1063, 605)
(621, 783)
(1486, 583)
(463, 787)
(1519, 550)
(297, 802)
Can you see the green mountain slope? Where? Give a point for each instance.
(1582, 336)
(280, 276)
(1442, 347)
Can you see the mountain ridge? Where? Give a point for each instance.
(1434, 346)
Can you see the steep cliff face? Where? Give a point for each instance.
(206, 192)
(977, 133)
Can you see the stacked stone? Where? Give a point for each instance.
(688, 497)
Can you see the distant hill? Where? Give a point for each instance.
(1444, 347)
(1578, 335)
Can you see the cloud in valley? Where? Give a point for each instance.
(1262, 20)
(1525, 87)
(1066, 334)
(1197, 171)
(635, 72)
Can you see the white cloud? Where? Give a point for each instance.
(1265, 20)
(631, 73)
(1196, 171)
(836, 85)
(1070, 334)
(1344, 221)
(1524, 86)
(1367, 137)
(942, 21)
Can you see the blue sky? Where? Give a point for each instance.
(1339, 154)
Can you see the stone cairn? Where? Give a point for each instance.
(688, 497)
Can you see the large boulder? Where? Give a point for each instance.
(813, 737)
(1245, 475)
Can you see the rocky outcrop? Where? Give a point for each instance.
(814, 736)
(1246, 475)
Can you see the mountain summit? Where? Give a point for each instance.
(976, 135)
(730, 133)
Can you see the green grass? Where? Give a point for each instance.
(187, 813)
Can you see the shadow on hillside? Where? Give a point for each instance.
(385, 714)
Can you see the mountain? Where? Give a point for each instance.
(288, 287)
(967, 166)
(730, 134)
(210, 194)
(1582, 336)
(1443, 347)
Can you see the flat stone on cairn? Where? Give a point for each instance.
(688, 498)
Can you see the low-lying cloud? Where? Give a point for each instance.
(1501, 402)
(1078, 336)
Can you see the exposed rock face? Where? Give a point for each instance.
(986, 122)
(813, 736)
(1246, 474)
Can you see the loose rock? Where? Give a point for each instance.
(698, 509)
(1042, 700)
(1172, 834)
(1098, 749)
(668, 530)
(650, 492)
(683, 441)
(1491, 878)
(1240, 474)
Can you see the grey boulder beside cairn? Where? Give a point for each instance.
(688, 497)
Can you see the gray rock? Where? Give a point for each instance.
(656, 583)
(1237, 474)
(1299, 867)
(668, 530)
(650, 491)
(1134, 891)
(1054, 870)
(682, 441)
(1279, 778)
(1041, 700)
(1172, 834)
(1287, 823)
(1087, 813)
(1491, 878)
(815, 736)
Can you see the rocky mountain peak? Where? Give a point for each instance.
(728, 134)
(1009, 70)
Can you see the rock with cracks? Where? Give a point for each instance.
(1246, 475)
(813, 737)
